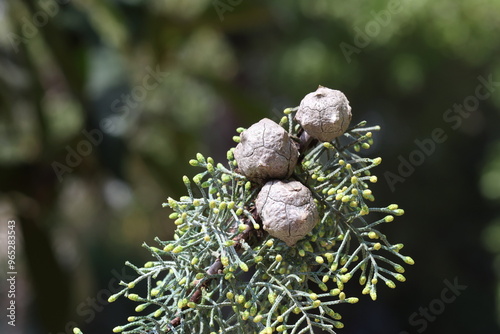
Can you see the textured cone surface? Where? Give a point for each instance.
(325, 114)
(287, 210)
(266, 151)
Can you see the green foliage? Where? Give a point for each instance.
(222, 272)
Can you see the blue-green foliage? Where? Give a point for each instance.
(223, 273)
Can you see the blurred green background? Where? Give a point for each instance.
(102, 103)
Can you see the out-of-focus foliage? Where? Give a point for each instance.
(102, 103)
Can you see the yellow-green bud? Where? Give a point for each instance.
(393, 207)
(230, 155)
(400, 277)
(172, 203)
(133, 296)
(257, 318)
(117, 329)
(140, 308)
(390, 284)
(245, 315)
(409, 260)
(200, 157)
(345, 278)
(229, 295)
(316, 303)
(377, 161)
(399, 212)
(373, 179)
(329, 257)
(327, 145)
(399, 268)
(334, 292)
(398, 247)
(271, 297)
(243, 266)
(168, 247)
(352, 300)
(113, 298)
(279, 258)
(388, 218)
(177, 249)
(182, 303)
(319, 259)
(197, 178)
(77, 330)
(224, 260)
(377, 246)
(229, 243)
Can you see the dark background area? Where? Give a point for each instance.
(102, 104)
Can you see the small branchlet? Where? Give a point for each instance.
(224, 273)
